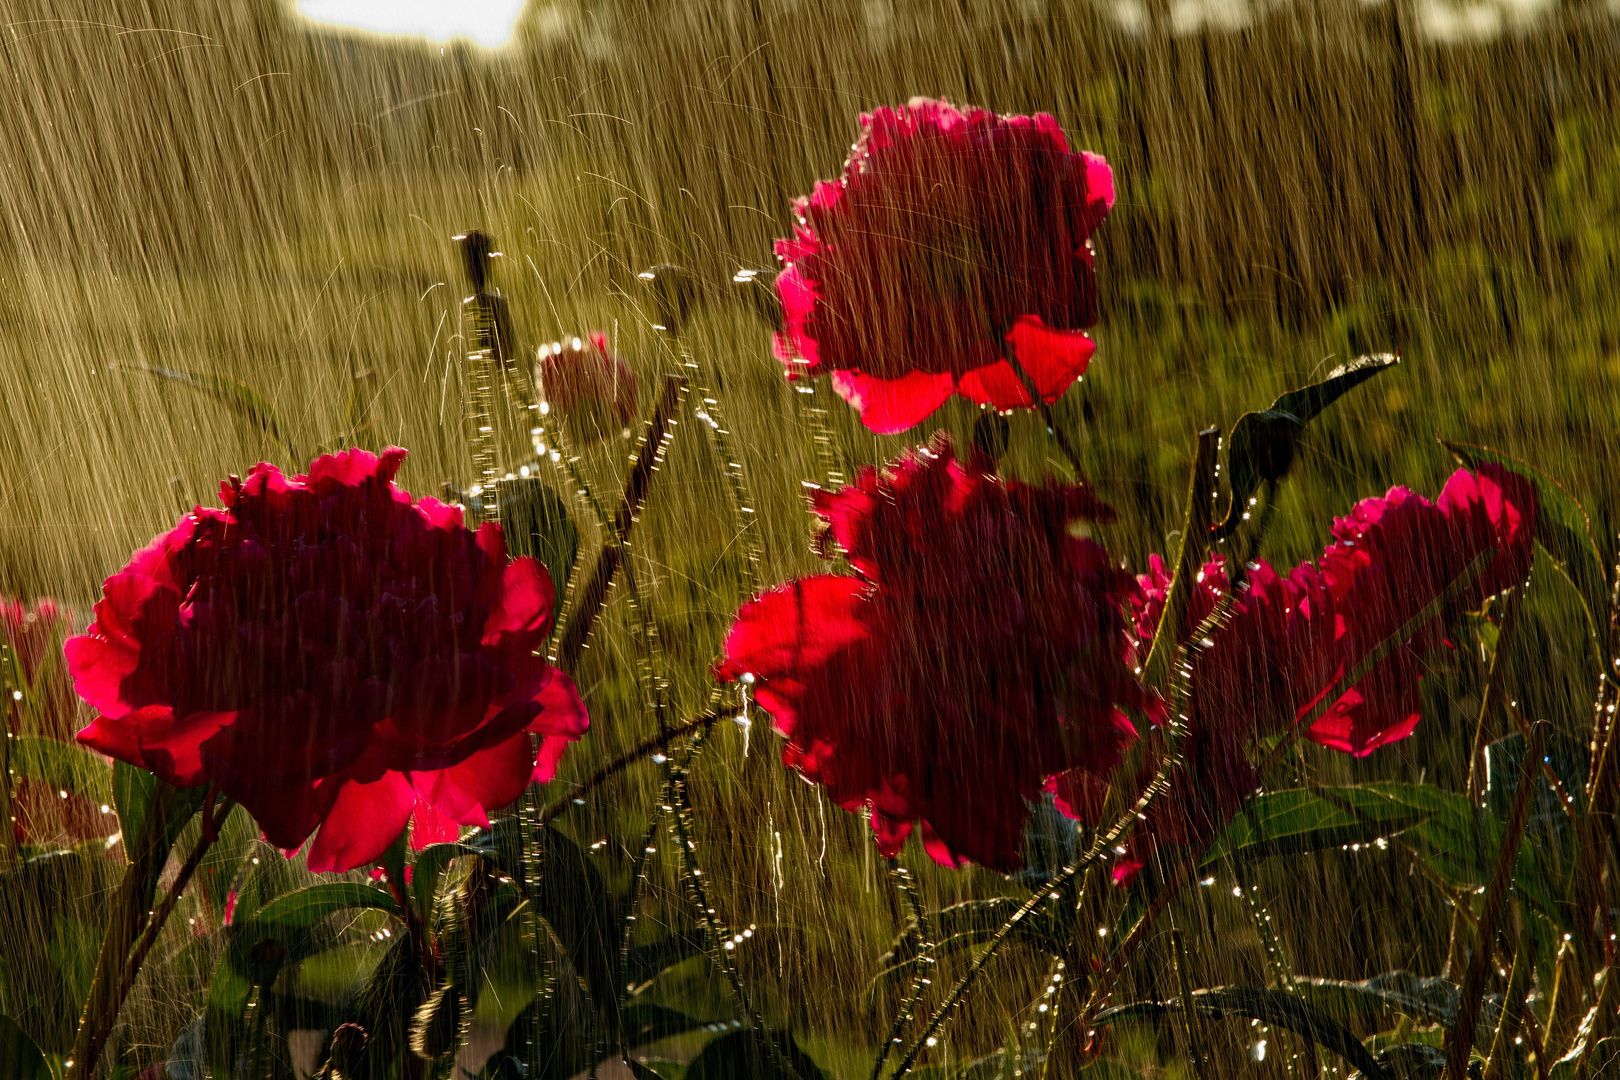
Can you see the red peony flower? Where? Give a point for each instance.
(1288, 639)
(35, 635)
(333, 656)
(949, 234)
(979, 650)
(586, 387)
(1392, 557)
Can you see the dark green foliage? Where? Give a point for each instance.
(1268, 1006)
(741, 1056)
(20, 1059)
(1300, 820)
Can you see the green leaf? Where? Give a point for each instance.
(228, 994)
(647, 962)
(535, 522)
(20, 1059)
(133, 788)
(1377, 1003)
(1301, 820)
(1446, 843)
(301, 909)
(1268, 1006)
(61, 765)
(741, 1056)
(572, 898)
(242, 400)
(1564, 533)
(287, 923)
(431, 863)
(1261, 445)
(644, 1023)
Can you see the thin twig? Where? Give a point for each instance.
(636, 483)
(1069, 453)
(644, 748)
(1461, 1038)
(1190, 1015)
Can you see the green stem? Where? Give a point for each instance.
(1461, 1039)
(1167, 637)
(654, 443)
(1103, 842)
(645, 748)
(1189, 1014)
(127, 915)
(925, 961)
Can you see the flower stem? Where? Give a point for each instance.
(126, 917)
(1100, 845)
(1195, 536)
(1070, 455)
(10, 673)
(644, 748)
(154, 926)
(1461, 1039)
(1189, 1013)
(651, 454)
(925, 959)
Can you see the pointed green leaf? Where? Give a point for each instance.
(741, 1056)
(1300, 820)
(61, 765)
(1276, 1007)
(302, 908)
(572, 898)
(644, 1023)
(1261, 445)
(1564, 533)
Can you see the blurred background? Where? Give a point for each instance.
(266, 194)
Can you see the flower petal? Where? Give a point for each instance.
(364, 820)
(888, 406)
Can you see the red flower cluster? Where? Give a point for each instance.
(980, 650)
(586, 387)
(950, 233)
(1287, 640)
(332, 655)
